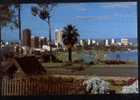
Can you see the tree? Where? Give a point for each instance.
(70, 37)
(44, 11)
(18, 8)
(8, 17)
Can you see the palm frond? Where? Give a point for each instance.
(70, 35)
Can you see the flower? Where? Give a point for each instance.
(96, 85)
(131, 88)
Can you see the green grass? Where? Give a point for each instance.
(76, 55)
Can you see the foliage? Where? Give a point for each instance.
(69, 38)
(8, 16)
(43, 11)
(70, 35)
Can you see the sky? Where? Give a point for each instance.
(93, 20)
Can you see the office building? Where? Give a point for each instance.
(93, 41)
(89, 42)
(81, 42)
(112, 41)
(124, 41)
(42, 41)
(45, 41)
(106, 43)
(26, 38)
(58, 37)
(35, 41)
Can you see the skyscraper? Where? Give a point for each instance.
(26, 38)
(106, 43)
(112, 41)
(58, 37)
(35, 41)
(41, 40)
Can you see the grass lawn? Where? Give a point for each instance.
(76, 55)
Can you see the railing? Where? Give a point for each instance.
(36, 87)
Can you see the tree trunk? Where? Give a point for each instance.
(70, 54)
(19, 21)
(0, 65)
(0, 36)
(50, 40)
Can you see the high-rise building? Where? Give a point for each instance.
(112, 41)
(106, 43)
(89, 41)
(45, 41)
(32, 41)
(58, 37)
(41, 42)
(93, 41)
(124, 41)
(35, 41)
(81, 42)
(26, 38)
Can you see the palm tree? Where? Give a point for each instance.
(44, 12)
(7, 18)
(18, 8)
(70, 37)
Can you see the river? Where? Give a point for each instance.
(123, 55)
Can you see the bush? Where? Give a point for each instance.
(114, 62)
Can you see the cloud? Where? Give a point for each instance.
(94, 17)
(125, 15)
(71, 5)
(79, 6)
(118, 4)
(82, 9)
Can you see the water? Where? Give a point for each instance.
(123, 55)
(118, 55)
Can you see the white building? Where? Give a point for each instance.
(97, 43)
(124, 41)
(81, 42)
(47, 47)
(89, 41)
(58, 37)
(119, 43)
(93, 41)
(106, 43)
(112, 41)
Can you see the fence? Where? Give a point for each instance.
(35, 87)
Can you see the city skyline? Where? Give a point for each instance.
(93, 20)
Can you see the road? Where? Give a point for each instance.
(97, 70)
(114, 71)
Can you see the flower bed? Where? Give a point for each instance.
(129, 89)
(96, 86)
(122, 82)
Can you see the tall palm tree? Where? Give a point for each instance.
(18, 8)
(7, 17)
(44, 12)
(70, 37)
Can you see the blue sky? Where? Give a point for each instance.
(93, 20)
